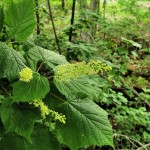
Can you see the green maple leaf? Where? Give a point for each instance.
(11, 62)
(86, 125)
(42, 139)
(16, 119)
(19, 17)
(36, 88)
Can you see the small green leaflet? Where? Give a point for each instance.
(39, 54)
(36, 88)
(86, 125)
(42, 139)
(19, 18)
(17, 119)
(11, 62)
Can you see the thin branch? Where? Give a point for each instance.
(63, 4)
(130, 140)
(37, 17)
(126, 138)
(134, 91)
(51, 18)
(50, 77)
(6, 91)
(72, 20)
(40, 66)
(140, 148)
(56, 96)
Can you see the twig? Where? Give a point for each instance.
(72, 20)
(56, 96)
(37, 17)
(134, 91)
(147, 145)
(50, 77)
(51, 18)
(130, 140)
(6, 91)
(63, 4)
(40, 66)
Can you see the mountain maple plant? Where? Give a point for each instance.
(40, 111)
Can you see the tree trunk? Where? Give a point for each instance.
(63, 4)
(94, 5)
(104, 7)
(72, 20)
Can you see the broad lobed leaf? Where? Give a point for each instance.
(17, 119)
(39, 54)
(36, 88)
(11, 62)
(42, 139)
(87, 124)
(83, 85)
(19, 18)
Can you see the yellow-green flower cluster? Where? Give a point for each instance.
(26, 74)
(57, 116)
(46, 111)
(43, 108)
(99, 67)
(71, 71)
